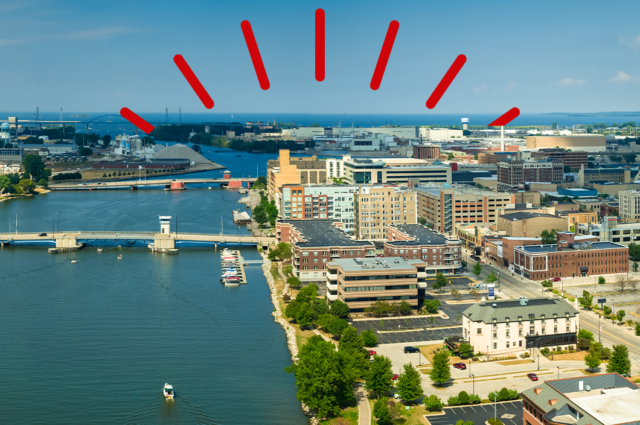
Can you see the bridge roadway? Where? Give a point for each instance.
(142, 183)
(161, 241)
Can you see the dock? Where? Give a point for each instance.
(241, 217)
(238, 264)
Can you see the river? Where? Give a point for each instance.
(95, 341)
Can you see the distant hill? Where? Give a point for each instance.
(595, 114)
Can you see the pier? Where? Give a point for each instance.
(135, 184)
(238, 264)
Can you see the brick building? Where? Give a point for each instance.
(513, 174)
(569, 258)
(414, 241)
(315, 243)
(380, 205)
(572, 159)
(526, 224)
(609, 208)
(426, 151)
(287, 170)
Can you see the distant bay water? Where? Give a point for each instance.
(119, 125)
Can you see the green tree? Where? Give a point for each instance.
(432, 306)
(381, 412)
(586, 299)
(450, 156)
(405, 308)
(547, 283)
(410, 383)
(463, 397)
(620, 315)
(637, 329)
(432, 403)
(586, 334)
(477, 269)
(260, 215)
(340, 309)
(293, 281)
(42, 183)
(635, 266)
(441, 282)
(324, 378)
(27, 186)
(592, 358)
(601, 280)
(378, 378)
(465, 350)
(33, 165)
(369, 337)
(337, 326)
(491, 278)
(440, 372)
(308, 293)
(630, 158)
(422, 220)
(619, 361)
(350, 340)
(463, 263)
(324, 320)
(549, 237)
(305, 315)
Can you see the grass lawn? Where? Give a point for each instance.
(428, 351)
(515, 362)
(578, 355)
(348, 415)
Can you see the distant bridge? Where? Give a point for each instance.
(158, 242)
(135, 184)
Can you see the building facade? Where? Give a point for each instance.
(612, 231)
(502, 327)
(589, 143)
(416, 242)
(335, 168)
(394, 170)
(513, 174)
(426, 151)
(334, 202)
(9, 167)
(445, 206)
(380, 205)
(287, 170)
(315, 243)
(526, 224)
(359, 282)
(570, 158)
(11, 155)
(629, 206)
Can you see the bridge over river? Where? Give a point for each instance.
(135, 184)
(158, 242)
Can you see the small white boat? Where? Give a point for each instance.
(229, 273)
(119, 246)
(99, 249)
(168, 392)
(74, 261)
(229, 259)
(230, 282)
(120, 257)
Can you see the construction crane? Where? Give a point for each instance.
(294, 122)
(340, 120)
(371, 122)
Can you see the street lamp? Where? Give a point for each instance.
(473, 379)
(558, 372)
(495, 405)
(58, 214)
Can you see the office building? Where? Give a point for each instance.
(334, 202)
(514, 174)
(315, 243)
(612, 231)
(629, 206)
(569, 258)
(508, 327)
(380, 205)
(589, 143)
(394, 170)
(570, 158)
(335, 168)
(359, 282)
(287, 170)
(439, 133)
(443, 206)
(528, 224)
(426, 151)
(416, 242)
(603, 399)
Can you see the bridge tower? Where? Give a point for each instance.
(165, 224)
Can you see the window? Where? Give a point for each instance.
(555, 329)
(305, 253)
(532, 330)
(495, 334)
(520, 332)
(479, 331)
(567, 327)
(495, 345)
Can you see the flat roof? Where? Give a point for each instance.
(420, 233)
(524, 215)
(554, 248)
(378, 263)
(322, 233)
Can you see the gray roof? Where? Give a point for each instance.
(322, 233)
(563, 411)
(554, 248)
(383, 265)
(180, 151)
(524, 215)
(511, 309)
(420, 233)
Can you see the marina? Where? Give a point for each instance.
(232, 268)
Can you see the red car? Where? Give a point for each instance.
(394, 377)
(532, 376)
(555, 279)
(460, 366)
(372, 353)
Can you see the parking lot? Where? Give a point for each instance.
(509, 412)
(414, 336)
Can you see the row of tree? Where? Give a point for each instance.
(67, 176)
(265, 211)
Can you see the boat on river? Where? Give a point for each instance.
(168, 392)
(228, 273)
(99, 250)
(120, 257)
(74, 261)
(230, 281)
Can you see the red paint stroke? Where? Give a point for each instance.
(320, 45)
(389, 39)
(135, 119)
(255, 55)
(506, 118)
(193, 81)
(446, 81)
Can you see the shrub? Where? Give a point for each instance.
(601, 280)
(432, 306)
(432, 403)
(503, 394)
(463, 397)
(545, 352)
(494, 421)
(637, 329)
(453, 401)
(474, 399)
(369, 337)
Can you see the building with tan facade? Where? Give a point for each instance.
(394, 171)
(426, 151)
(589, 143)
(503, 327)
(629, 206)
(575, 218)
(444, 206)
(287, 170)
(359, 282)
(526, 224)
(380, 205)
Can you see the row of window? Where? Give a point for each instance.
(378, 288)
(381, 277)
(389, 298)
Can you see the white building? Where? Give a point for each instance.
(629, 205)
(335, 168)
(504, 327)
(439, 133)
(9, 167)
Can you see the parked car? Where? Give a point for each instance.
(532, 376)
(411, 350)
(460, 366)
(555, 279)
(372, 353)
(42, 234)
(394, 377)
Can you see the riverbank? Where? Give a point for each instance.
(38, 191)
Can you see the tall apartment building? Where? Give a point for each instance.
(444, 206)
(359, 282)
(512, 174)
(414, 241)
(394, 170)
(335, 202)
(499, 327)
(426, 151)
(629, 206)
(572, 159)
(315, 243)
(335, 168)
(380, 205)
(287, 170)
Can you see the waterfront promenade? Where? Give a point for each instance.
(135, 184)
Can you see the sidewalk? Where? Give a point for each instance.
(364, 411)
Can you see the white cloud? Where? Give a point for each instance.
(481, 89)
(622, 77)
(571, 82)
(634, 42)
(512, 85)
(94, 34)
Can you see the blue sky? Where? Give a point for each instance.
(543, 56)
